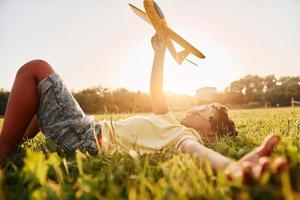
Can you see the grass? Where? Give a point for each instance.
(35, 173)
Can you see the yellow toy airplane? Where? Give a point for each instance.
(155, 17)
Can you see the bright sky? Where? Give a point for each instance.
(101, 42)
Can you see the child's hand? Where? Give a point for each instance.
(247, 171)
(234, 171)
(243, 172)
(158, 43)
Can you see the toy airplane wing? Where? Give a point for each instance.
(140, 13)
(159, 23)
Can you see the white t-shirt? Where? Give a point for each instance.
(145, 134)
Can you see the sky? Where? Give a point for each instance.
(101, 42)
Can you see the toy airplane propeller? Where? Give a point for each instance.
(155, 17)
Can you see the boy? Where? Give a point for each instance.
(40, 100)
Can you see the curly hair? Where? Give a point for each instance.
(220, 122)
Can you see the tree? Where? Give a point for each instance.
(3, 100)
(91, 100)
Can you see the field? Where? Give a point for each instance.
(36, 173)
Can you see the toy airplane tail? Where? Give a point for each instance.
(182, 42)
(181, 56)
(188, 48)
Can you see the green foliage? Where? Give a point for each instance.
(35, 173)
(254, 91)
(1, 185)
(3, 100)
(99, 100)
(249, 91)
(35, 168)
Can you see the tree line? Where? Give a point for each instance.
(251, 90)
(256, 90)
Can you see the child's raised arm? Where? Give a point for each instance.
(158, 100)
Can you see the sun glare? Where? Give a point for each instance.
(218, 69)
(133, 69)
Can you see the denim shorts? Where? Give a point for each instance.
(62, 120)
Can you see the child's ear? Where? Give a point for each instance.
(224, 108)
(219, 107)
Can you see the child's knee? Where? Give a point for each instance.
(37, 68)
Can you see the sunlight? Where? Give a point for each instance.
(217, 70)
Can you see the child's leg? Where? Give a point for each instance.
(33, 128)
(22, 104)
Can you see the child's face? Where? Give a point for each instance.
(198, 119)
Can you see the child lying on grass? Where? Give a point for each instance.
(39, 99)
